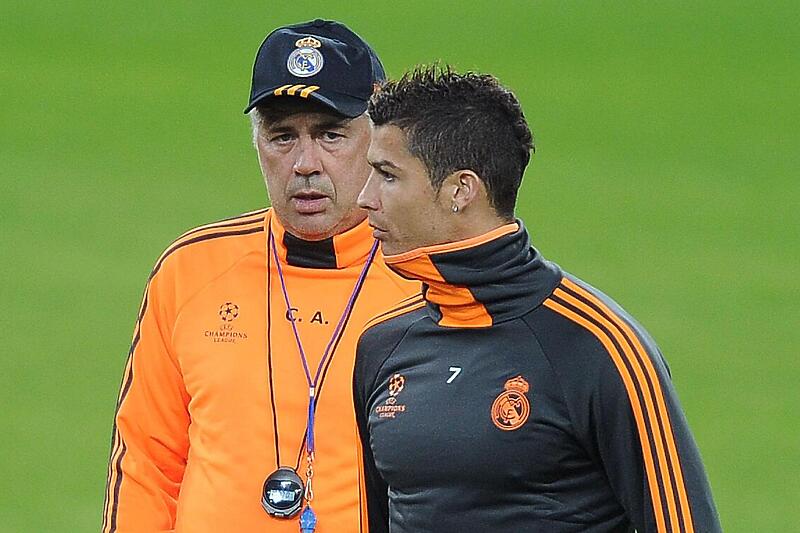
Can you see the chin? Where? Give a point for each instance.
(392, 248)
(310, 228)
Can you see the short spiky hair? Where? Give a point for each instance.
(460, 122)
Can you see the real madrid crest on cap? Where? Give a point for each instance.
(306, 60)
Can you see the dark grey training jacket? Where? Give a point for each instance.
(517, 398)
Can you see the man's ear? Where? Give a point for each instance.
(464, 187)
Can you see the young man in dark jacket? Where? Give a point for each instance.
(515, 397)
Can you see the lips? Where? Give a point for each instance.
(377, 232)
(309, 202)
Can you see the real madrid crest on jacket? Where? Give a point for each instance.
(518, 398)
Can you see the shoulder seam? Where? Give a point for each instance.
(559, 379)
(389, 354)
(408, 305)
(244, 218)
(205, 235)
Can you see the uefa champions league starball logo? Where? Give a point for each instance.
(224, 332)
(396, 384)
(306, 60)
(228, 311)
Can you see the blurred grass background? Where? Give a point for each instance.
(666, 174)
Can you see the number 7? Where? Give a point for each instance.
(456, 370)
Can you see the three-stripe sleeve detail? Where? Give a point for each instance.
(241, 225)
(643, 388)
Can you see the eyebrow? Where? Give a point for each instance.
(333, 123)
(324, 124)
(382, 163)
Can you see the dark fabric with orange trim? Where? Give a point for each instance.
(487, 284)
(557, 415)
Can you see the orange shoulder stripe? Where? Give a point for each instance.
(625, 330)
(232, 227)
(654, 435)
(412, 303)
(633, 397)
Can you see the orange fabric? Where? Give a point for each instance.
(459, 307)
(194, 436)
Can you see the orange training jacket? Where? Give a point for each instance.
(194, 436)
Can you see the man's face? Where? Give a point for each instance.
(315, 164)
(405, 211)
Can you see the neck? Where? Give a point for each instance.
(475, 225)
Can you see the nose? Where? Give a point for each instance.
(307, 158)
(368, 198)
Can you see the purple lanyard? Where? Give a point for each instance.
(327, 354)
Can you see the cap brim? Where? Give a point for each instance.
(344, 104)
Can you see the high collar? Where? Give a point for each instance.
(480, 281)
(344, 250)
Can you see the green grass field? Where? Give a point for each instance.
(666, 174)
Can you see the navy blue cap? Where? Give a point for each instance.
(322, 60)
